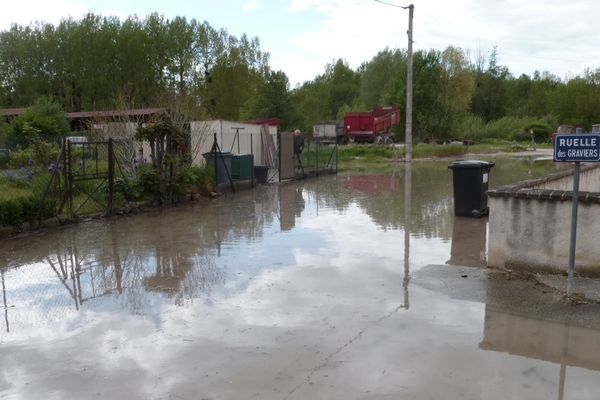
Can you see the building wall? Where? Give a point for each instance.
(530, 224)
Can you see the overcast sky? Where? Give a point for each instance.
(558, 36)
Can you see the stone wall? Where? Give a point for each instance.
(530, 224)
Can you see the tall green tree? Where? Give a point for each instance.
(489, 99)
(271, 99)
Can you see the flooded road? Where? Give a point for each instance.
(356, 286)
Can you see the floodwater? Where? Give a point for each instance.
(356, 286)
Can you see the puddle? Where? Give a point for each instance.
(342, 287)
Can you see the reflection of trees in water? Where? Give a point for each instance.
(383, 200)
(379, 193)
(171, 253)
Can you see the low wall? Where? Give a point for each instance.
(530, 224)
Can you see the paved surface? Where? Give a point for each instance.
(584, 288)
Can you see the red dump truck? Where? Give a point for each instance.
(371, 126)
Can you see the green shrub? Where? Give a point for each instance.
(4, 158)
(127, 187)
(203, 178)
(10, 213)
(506, 128)
(541, 132)
(151, 183)
(39, 154)
(44, 120)
(13, 212)
(180, 183)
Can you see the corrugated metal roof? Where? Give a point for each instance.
(93, 114)
(111, 114)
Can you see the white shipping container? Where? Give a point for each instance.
(327, 131)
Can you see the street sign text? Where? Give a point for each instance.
(576, 148)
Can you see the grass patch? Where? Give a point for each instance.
(445, 150)
(367, 153)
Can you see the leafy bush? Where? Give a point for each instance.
(180, 183)
(151, 183)
(4, 158)
(10, 213)
(40, 154)
(44, 120)
(127, 188)
(506, 128)
(541, 132)
(203, 178)
(13, 212)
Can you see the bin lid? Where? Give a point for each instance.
(223, 153)
(468, 164)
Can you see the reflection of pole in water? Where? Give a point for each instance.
(317, 194)
(561, 384)
(5, 305)
(407, 219)
(563, 366)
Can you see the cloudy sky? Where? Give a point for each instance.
(558, 36)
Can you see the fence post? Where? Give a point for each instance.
(317, 157)
(336, 158)
(279, 154)
(111, 175)
(214, 153)
(68, 177)
(252, 153)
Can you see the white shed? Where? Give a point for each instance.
(234, 137)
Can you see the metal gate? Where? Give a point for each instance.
(82, 179)
(89, 176)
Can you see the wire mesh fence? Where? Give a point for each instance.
(82, 180)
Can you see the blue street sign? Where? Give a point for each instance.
(576, 148)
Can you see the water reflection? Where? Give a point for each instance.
(4, 301)
(215, 248)
(291, 205)
(332, 274)
(469, 238)
(407, 228)
(558, 342)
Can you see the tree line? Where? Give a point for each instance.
(91, 63)
(88, 64)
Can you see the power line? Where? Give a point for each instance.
(393, 5)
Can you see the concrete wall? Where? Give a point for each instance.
(529, 225)
(589, 181)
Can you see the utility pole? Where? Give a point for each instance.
(409, 81)
(409, 88)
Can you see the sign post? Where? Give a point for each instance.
(576, 149)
